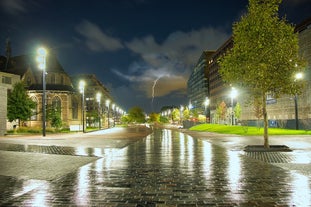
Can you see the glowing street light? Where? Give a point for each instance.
(41, 59)
(206, 103)
(113, 113)
(108, 104)
(98, 96)
(298, 76)
(81, 87)
(233, 95)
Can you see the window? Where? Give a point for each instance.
(6, 80)
(34, 111)
(56, 103)
(74, 108)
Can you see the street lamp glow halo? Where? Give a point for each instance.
(41, 51)
(298, 76)
(233, 93)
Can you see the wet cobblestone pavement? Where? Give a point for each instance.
(168, 168)
(56, 150)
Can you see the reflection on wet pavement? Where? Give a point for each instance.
(167, 168)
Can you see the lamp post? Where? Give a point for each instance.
(107, 104)
(81, 87)
(298, 76)
(233, 94)
(113, 114)
(41, 58)
(98, 96)
(206, 103)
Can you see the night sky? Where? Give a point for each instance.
(132, 46)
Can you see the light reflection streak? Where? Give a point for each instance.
(182, 149)
(166, 145)
(234, 174)
(83, 184)
(29, 185)
(37, 196)
(148, 149)
(98, 152)
(301, 191)
(207, 159)
(190, 151)
(81, 151)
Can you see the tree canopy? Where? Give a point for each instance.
(136, 114)
(20, 105)
(264, 58)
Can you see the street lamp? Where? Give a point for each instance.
(41, 58)
(206, 103)
(298, 76)
(107, 104)
(233, 94)
(98, 96)
(81, 87)
(113, 113)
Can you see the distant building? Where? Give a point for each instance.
(59, 89)
(198, 83)
(62, 91)
(281, 112)
(92, 107)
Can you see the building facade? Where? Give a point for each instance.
(281, 111)
(198, 84)
(62, 92)
(7, 82)
(98, 108)
(59, 89)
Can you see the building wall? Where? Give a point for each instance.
(7, 82)
(198, 83)
(283, 109)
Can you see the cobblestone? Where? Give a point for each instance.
(167, 168)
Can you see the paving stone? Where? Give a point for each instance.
(165, 169)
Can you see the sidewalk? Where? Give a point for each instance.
(297, 161)
(46, 158)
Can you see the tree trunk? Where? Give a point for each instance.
(265, 120)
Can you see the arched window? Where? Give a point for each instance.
(34, 112)
(56, 103)
(74, 108)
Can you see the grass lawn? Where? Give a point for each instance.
(246, 130)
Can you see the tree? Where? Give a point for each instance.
(176, 115)
(20, 105)
(264, 55)
(221, 111)
(237, 110)
(154, 117)
(54, 116)
(136, 114)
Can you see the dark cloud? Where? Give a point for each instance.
(96, 39)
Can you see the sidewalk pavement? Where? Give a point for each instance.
(45, 158)
(298, 160)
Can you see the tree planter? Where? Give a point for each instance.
(272, 148)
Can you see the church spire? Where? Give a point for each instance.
(8, 51)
